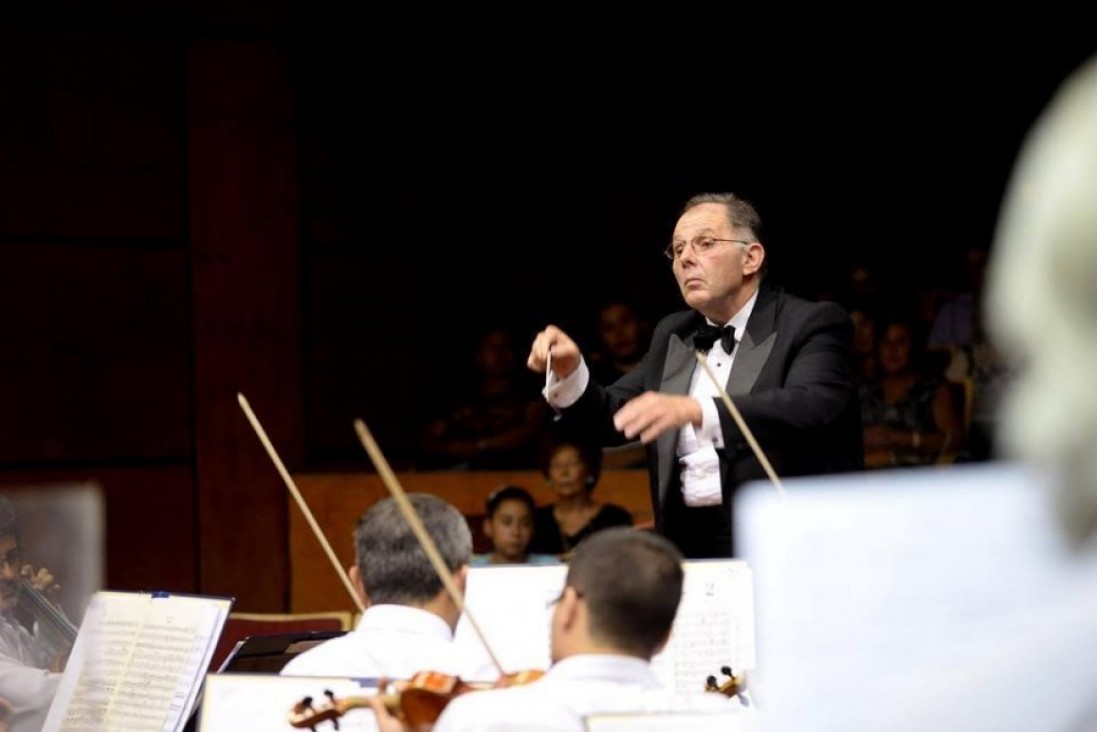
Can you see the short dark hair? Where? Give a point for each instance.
(394, 567)
(631, 580)
(508, 493)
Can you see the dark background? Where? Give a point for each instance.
(318, 209)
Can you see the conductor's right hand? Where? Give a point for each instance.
(566, 356)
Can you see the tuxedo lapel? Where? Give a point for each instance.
(748, 363)
(756, 345)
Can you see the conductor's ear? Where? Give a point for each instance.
(755, 256)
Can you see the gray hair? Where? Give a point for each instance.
(395, 569)
(741, 213)
(631, 580)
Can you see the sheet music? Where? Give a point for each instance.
(137, 662)
(511, 603)
(714, 626)
(262, 702)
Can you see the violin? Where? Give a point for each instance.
(418, 704)
(733, 687)
(48, 613)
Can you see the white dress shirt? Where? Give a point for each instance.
(24, 681)
(572, 689)
(394, 641)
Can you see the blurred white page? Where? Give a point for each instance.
(666, 721)
(263, 703)
(871, 585)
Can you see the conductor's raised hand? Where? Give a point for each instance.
(566, 356)
(653, 413)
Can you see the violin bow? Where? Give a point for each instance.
(420, 532)
(742, 425)
(262, 434)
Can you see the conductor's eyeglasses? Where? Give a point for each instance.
(702, 245)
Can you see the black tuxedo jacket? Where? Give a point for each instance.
(792, 380)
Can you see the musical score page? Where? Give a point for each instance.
(138, 662)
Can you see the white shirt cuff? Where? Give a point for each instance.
(562, 393)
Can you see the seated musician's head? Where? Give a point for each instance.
(620, 596)
(393, 569)
(11, 554)
(1041, 305)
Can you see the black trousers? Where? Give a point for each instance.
(699, 533)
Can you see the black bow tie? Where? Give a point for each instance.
(707, 334)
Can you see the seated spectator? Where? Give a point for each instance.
(494, 422)
(508, 525)
(980, 366)
(622, 342)
(572, 470)
(863, 315)
(955, 321)
(908, 418)
(623, 339)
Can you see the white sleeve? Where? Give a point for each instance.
(562, 393)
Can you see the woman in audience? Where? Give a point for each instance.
(508, 525)
(572, 470)
(908, 417)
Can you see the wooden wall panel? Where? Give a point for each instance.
(95, 353)
(337, 500)
(245, 265)
(91, 134)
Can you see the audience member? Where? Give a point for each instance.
(494, 421)
(572, 469)
(30, 658)
(909, 418)
(863, 314)
(508, 525)
(984, 373)
(409, 619)
(615, 613)
(622, 341)
(955, 321)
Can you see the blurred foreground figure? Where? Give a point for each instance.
(1041, 310)
(1041, 302)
